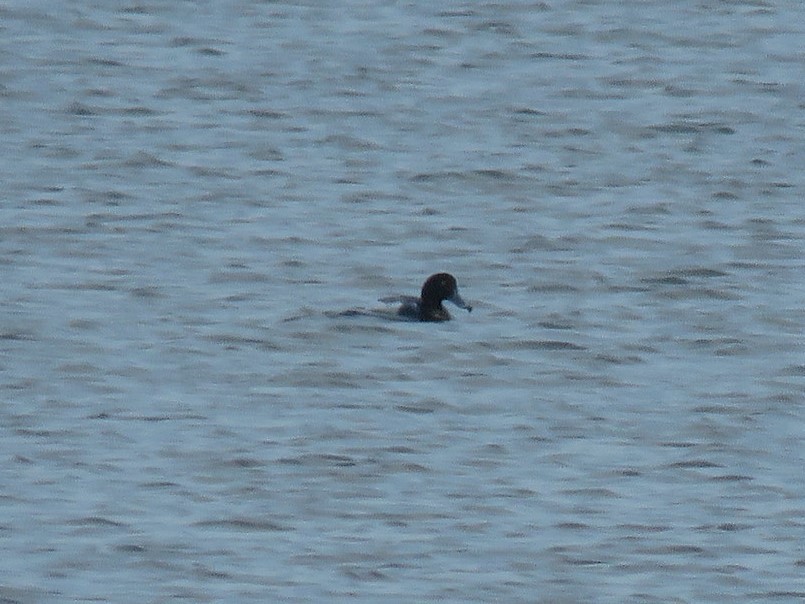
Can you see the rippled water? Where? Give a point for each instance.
(191, 191)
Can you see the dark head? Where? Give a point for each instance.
(439, 287)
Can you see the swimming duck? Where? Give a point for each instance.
(428, 307)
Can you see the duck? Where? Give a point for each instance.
(428, 307)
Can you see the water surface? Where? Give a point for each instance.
(190, 191)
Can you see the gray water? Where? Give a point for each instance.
(192, 192)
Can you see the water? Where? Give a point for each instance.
(189, 189)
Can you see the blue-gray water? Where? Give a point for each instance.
(189, 188)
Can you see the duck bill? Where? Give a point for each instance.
(459, 301)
